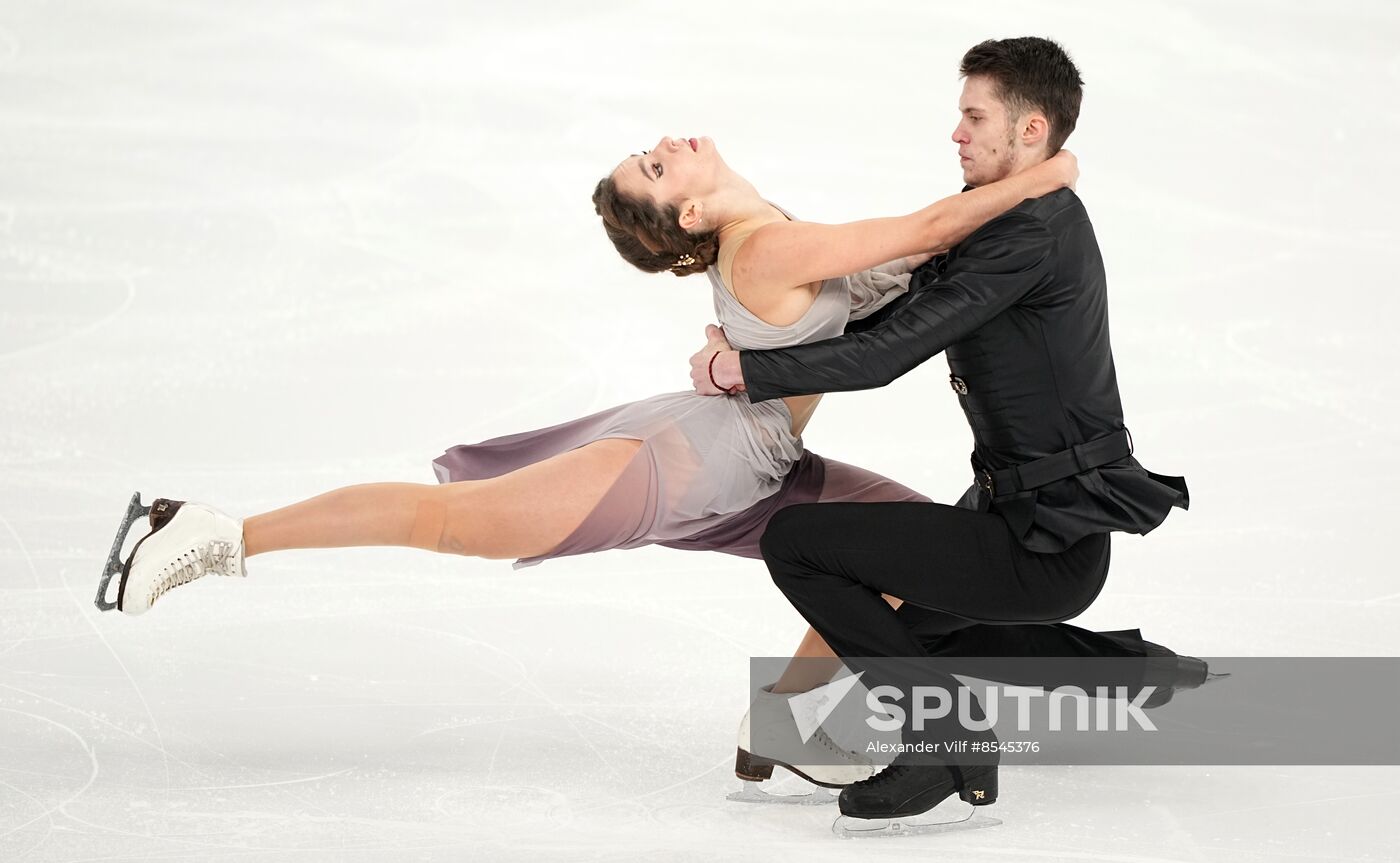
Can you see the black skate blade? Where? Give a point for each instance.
(950, 816)
(751, 793)
(134, 510)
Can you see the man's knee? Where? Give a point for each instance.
(785, 531)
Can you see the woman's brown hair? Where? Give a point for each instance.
(650, 238)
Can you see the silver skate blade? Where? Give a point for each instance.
(751, 793)
(1212, 676)
(134, 510)
(950, 816)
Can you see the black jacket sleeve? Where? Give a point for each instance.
(999, 264)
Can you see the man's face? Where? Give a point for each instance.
(985, 136)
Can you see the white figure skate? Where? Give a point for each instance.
(186, 542)
(769, 737)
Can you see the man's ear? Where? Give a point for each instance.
(1034, 130)
(692, 212)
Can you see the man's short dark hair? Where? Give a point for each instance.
(1031, 73)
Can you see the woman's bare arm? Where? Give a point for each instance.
(782, 255)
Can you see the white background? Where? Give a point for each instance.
(252, 252)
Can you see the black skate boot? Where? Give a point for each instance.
(903, 789)
(1170, 672)
(904, 799)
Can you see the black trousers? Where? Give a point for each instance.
(969, 588)
(954, 568)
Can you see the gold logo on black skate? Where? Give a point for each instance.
(979, 794)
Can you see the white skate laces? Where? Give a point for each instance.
(194, 541)
(810, 709)
(217, 557)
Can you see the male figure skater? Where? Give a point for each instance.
(1020, 309)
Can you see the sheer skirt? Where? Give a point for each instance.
(710, 473)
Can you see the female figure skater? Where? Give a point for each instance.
(678, 469)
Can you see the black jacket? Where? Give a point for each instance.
(1021, 309)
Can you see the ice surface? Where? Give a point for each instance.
(250, 252)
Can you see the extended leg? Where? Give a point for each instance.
(520, 514)
(524, 513)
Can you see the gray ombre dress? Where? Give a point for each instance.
(711, 470)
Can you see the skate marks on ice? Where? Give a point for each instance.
(31, 622)
(53, 316)
(22, 811)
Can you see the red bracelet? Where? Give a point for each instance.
(729, 391)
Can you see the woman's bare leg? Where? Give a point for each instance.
(819, 661)
(524, 513)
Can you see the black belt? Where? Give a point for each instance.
(1065, 463)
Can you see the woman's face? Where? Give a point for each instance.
(674, 170)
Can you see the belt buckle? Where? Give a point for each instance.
(984, 480)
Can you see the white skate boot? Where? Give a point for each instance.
(769, 737)
(187, 541)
